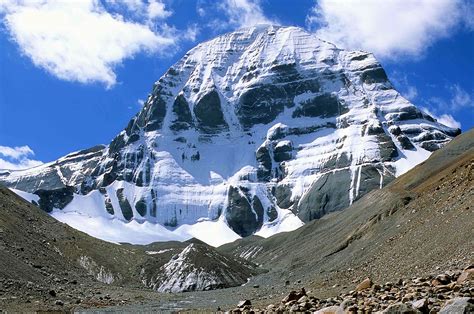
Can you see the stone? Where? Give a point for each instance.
(346, 304)
(59, 302)
(466, 275)
(209, 113)
(444, 279)
(294, 296)
(294, 308)
(365, 284)
(458, 305)
(270, 307)
(283, 194)
(239, 214)
(421, 304)
(401, 308)
(243, 303)
(330, 310)
(153, 114)
(408, 297)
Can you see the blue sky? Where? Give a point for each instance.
(72, 73)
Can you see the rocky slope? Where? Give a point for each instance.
(448, 293)
(43, 260)
(417, 225)
(253, 132)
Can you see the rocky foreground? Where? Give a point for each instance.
(449, 292)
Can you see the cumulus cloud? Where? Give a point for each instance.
(80, 40)
(388, 28)
(17, 158)
(244, 13)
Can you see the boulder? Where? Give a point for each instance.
(401, 308)
(330, 310)
(365, 284)
(421, 305)
(466, 275)
(458, 306)
(294, 296)
(243, 303)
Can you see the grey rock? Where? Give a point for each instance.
(327, 194)
(244, 303)
(458, 305)
(240, 215)
(56, 198)
(401, 308)
(124, 205)
(209, 114)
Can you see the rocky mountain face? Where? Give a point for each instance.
(253, 132)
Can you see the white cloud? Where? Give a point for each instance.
(411, 93)
(400, 80)
(152, 9)
(157, 10)
(461, 98)
(79, 40)
(244, 13)
(444, 118)
(17, 158)
(200, 11)
(191, 32)
(140, 102)
(387, 28)
(449, 120)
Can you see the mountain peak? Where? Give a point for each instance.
(254, 132)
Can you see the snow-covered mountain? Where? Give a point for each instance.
(255, 131)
